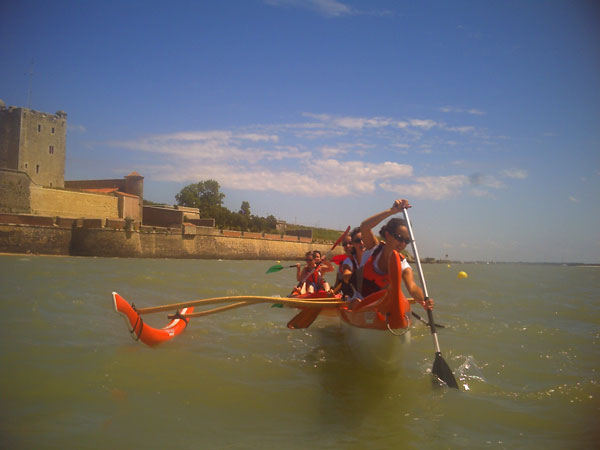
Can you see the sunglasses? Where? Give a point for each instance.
(346, 244)
(401, 239)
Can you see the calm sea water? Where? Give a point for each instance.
(523, 341)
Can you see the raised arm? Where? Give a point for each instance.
(326, 266)
(298, 272)
(366, 227)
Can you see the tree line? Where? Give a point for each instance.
(208, 198)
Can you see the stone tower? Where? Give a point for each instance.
(35, 143)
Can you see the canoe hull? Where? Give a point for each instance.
(384, 310)
(376, 349)
(377, 328)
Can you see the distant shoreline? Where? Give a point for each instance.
(457, 263)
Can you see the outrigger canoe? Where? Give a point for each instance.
(376, 326)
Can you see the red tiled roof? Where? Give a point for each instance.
(102, 190)
(125, 194)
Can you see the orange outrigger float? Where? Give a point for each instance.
(141, 331)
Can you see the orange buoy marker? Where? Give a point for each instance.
(462, 274)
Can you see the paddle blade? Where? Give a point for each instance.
(344, 234)
(275, 268)
(304, 318)
(443, 371)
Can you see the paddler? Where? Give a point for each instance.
(312, 274)
(373, 274)
(353, 247)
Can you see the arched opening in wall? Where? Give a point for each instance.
(37, 168)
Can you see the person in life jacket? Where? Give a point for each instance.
(373, 272)
(311, 276)
(347, 275)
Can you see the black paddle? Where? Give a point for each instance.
(419, 318)
(440, 367)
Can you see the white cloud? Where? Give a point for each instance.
(329, 152)
(359, 123)
(351, 155)
(327, 8)
(454, 109)
(420, 123)
(463, 129)
(354, 123)
(255, 137)
(519, 174)
(573, 199)
(477, 192)
(329, 177)
(76, 128)
(483, 180)
(435, 188)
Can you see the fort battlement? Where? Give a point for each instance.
(33, 234)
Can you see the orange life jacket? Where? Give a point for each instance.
(373, 281)
(315, 279)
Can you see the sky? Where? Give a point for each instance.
(485, 115)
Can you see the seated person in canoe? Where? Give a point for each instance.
(311, 276)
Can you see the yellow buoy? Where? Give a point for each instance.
(278, 262)
(448, 265)
(462, 274)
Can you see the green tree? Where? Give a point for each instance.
(205, 195)
(245, 208)
(208, 198)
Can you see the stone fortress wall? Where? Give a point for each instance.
(32, 234)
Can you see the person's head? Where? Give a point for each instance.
(317, 256)
(347, 244)
(395, 233)
(356, 240)
(310, 260)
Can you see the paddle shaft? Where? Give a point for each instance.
(423, 283)
(419, 318)
(440, 367)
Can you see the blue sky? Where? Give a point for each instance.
(484, 114)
